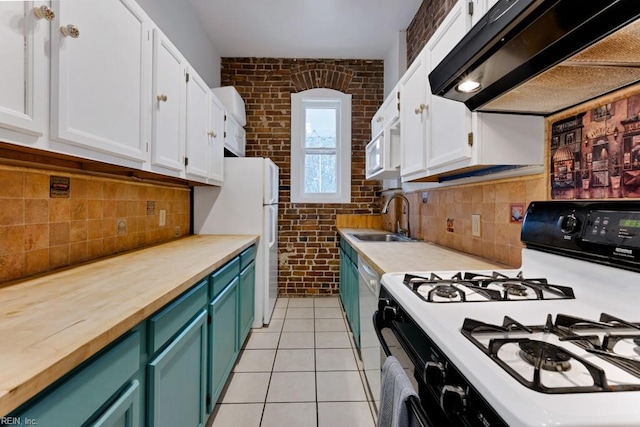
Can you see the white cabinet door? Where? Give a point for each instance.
(197, 160)
(234, 136)
(480, 8)
(377, 122)
(414, 116)
(216, 139)
(100, 77)
(22, 68)
(169, 105)
(450, 120)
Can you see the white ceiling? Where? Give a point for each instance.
(356, 29)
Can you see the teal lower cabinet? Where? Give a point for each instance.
(247, 298)
(168, 371)
(92, 391)
(177, 381)
(223, 344)
(349, 294)
(124, 412)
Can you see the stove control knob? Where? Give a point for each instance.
(453, 399)
(569, 224)
(434, 373)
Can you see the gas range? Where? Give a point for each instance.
(555, 342)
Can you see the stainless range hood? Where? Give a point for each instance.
(541, 56)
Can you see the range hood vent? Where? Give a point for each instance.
(539, 56)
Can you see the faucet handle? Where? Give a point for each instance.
(400, 230)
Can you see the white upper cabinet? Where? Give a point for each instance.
(100, 74)
(480, 8)
(450, 120)
(382, 154)
(216, 140)
(197, 157)
(415, 119)
(234, 136)
(377, 122)
(460, 140)
(23, 66)
(169, 106)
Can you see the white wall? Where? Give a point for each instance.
(178, 19)
(395, 62)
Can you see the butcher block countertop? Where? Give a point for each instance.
(51, 324)
(387, 257)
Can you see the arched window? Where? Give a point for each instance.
(320, 146)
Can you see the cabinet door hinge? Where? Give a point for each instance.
(470, 139)
(147, 147)
(186, 161)
(471, 8)
(187, 77)
(208, 319)
(225, 134)
(208, 399)
(225, 117)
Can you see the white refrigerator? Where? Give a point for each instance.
(247, 203)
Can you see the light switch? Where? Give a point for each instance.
(163, 218)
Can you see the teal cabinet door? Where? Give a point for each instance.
(83, 393)
(177, 379)
(247, 301)
(354, 296)
(124, 411)
(223, 333)
(343, 278)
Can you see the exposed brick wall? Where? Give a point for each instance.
(307, 243)
(429, 16)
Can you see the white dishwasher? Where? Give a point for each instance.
(369, 290)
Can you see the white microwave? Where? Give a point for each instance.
(382, 159)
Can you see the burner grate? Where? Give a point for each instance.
(505, 288)
(545, 356)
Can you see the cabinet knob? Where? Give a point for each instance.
(421, 108)
(212, 134)
(44, 12)
(161, 97)
(70, 31)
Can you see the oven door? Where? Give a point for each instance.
(446, 398)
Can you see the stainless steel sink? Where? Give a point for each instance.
(381, 237)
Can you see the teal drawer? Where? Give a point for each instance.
(247, 257)
(167, 322)
(223, 276)
(86, 390)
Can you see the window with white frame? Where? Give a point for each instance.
(320, 146)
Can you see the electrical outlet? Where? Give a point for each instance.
(162, 218)
(425, 196)
(176, 231)
(475, 225)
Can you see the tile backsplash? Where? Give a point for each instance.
(101, 217)
(446, 216)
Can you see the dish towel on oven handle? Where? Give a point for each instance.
(394, 396)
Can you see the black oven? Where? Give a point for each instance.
(446, 397)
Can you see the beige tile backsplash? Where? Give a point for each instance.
(500, 238)
(39, 233)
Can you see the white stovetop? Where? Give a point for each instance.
(516, 404)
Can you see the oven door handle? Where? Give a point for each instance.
(413, 402)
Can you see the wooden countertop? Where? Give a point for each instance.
(387, 257)
(51, 324)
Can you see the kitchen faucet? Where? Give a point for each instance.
(385, 209)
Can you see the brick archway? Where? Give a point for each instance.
(329, 76)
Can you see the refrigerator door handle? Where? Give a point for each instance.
(273, 212)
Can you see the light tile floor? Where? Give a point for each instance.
(301, 371)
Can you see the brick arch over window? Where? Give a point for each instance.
(315, 76)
